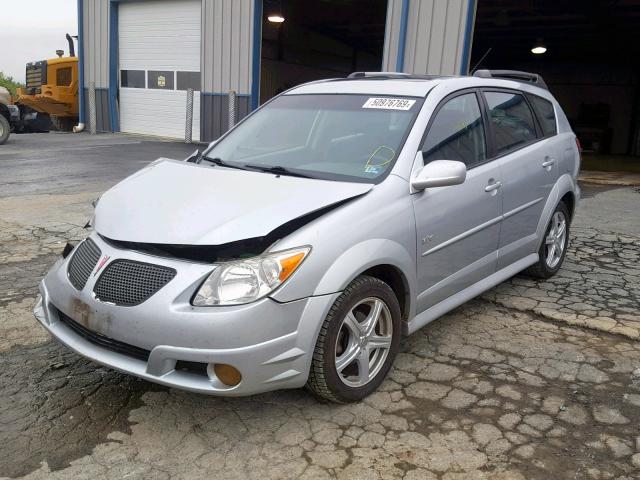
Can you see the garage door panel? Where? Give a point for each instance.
(159, 113)
(164, 34)
(159, 36)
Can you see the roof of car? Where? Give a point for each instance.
(407, 85)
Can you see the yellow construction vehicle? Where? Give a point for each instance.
(51, 88)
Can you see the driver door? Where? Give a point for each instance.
(457, 226)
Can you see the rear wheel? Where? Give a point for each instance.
(554, 247)
(5, 129)
(358, 342)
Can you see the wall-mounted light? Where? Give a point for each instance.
(539, 48)
(274, 11)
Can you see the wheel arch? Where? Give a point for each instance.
(564, 188)
(380, 258)
(569, 200)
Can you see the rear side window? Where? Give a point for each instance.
(546, 115)
(511, 119)
(457, 133)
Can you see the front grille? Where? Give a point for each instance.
(102, 340)
(128, 283)
(82, 263)
(36, 74)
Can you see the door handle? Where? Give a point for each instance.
(548, 162)
(492, 186)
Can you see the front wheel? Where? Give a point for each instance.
(358, 342)
(554, 247)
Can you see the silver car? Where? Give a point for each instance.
(301, 246)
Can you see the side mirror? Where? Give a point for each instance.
(440, 173)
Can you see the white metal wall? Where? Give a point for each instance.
(434, 39)
(161, 35)
(226, 45)
(96, 42)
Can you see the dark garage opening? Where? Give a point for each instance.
(591, 65)
(319, 39)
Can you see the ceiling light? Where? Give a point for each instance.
(539, 48)
(277, 18)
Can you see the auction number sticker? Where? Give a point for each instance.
(389, 103)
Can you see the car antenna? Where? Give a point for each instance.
(480, 61)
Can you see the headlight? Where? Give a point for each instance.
(245, 281)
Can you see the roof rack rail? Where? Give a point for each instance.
(513, 75)
(388, 76)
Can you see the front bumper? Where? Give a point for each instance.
(270, 343)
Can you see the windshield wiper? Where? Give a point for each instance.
(222, 163)
(278, 170)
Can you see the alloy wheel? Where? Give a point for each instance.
(363, 342)
(555, 240)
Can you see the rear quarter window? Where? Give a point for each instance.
(546, 114)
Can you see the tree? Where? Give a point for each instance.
(9, 83)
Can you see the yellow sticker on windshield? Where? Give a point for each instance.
(385, 103)
(380, 157)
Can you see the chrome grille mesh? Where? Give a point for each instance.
(82, 263)
(128, 283)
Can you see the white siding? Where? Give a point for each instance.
(159, 35)
(391, 36)
(435, 36)
(226, 45)
(96, 42)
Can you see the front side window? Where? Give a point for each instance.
(330, 136)
(511, 119)
(546, 114)
(457, 133)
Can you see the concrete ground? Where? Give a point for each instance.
(531, 380)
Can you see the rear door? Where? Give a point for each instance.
(529, 170)
(458, 226)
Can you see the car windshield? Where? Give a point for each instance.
(335, 137)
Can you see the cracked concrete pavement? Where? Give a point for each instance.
(531, 380)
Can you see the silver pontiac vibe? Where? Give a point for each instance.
(301, 246)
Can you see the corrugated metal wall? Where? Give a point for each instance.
(392, 35)
(226, 58)
(96, 42)
(435, 37)
(226, 45)
(96, 59)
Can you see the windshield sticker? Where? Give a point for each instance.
(389, 103)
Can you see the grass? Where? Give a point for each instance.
(610, 163)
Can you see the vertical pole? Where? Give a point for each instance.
(232, 108)
(189, 122)
(92, 108)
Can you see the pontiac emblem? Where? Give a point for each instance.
(101, 264)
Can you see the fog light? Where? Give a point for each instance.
(227, 374)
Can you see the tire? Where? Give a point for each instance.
(5, 129)
(545, 268)
(364, 297)
(62, 124)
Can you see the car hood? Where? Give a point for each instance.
(172, 202)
